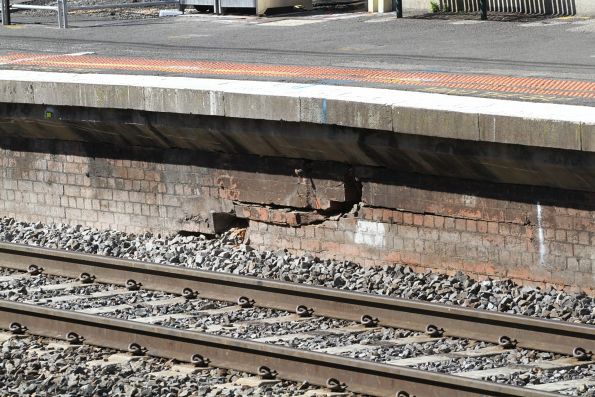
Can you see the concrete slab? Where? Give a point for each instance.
(270, 320)
(530, 132)
(177, 370)
(563, 385)
(488, 351)
(50, 348)
(118, 358)
(411, 339)
(291, 318)
(309, 335)
(347, 348)
(164, 317)
(165, 302)
(59, 346)
(57, 287)
(325, 393)
(275, 338)
(420, 360)
(54, 287)
(351, 329)
(423, 114)
(255, 381)
(566, 362)
(4, 336)
(484, 373)
(443, 124)
(588, 137)
(106, 309)
(223, 310)
(95, 295)
(14, 277)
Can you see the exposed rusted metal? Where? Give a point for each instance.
(292, 364)
(554, 336)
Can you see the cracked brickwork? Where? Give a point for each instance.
(367, 215)
(530, 234)
(139, 190)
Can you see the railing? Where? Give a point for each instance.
(62, 8)
(483, 8)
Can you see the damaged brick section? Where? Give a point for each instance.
(290, 183)
(530, 234)
(278, 216)
(311, 194)
(371, 216)
(142, 189)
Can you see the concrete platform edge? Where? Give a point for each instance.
(556, 126)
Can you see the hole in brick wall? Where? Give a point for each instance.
(229, 223)
(185, 233)
(223, 222)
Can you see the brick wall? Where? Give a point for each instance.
(138, 190)
(530, 234)
(368, 215)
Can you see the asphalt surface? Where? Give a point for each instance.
(551, 48)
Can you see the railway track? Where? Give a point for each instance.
(296, 332)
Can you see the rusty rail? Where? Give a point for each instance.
(533, 333)
(291, 364)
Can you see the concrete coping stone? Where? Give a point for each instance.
(557, 126)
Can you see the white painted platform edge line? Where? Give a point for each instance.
(41, 57)
(372, 96)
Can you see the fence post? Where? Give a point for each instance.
(399, 8)
(62, 14)
(59, 4)
(65, 14)
(483, 6)
(5, 12)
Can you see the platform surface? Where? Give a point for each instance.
(533, 59)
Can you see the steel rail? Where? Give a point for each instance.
(533, 333)
(291, 364)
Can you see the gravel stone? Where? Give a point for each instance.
(30, 366)
(228, 254)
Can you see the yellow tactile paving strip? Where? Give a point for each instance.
(540, 88)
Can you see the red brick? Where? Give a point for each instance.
(291, 219)
(493, 227)
(407, 218)
(367, 213)
(387, 216)
(418, 219)
(377, 214)
(397, 217)
(482, 226)
(429, 221)
(471, 226)
(460, 224)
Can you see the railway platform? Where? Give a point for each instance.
(460, 56)
(338, 203)
(426, 150)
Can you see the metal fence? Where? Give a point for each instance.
(62, 8)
